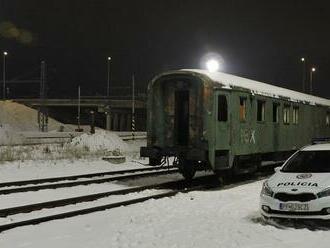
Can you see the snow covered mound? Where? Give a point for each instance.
(22, 118)
(9, 136)
(101, 140)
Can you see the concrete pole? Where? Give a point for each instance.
(133, 107)
(303, 74)
(78, 116)
(4, 76)
(108, 78)
(311, 79)
(108, 121)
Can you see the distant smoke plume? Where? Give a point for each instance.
(9, 30)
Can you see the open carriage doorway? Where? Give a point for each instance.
(181, 121)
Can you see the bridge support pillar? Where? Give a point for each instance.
(122, 122)
(115, 122)
(108, 121)
(129, 122)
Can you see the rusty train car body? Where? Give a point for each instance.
(227, 123)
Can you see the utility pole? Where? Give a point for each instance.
(78, 116)
(42, 113)
(133, 107)
(303, 74)
(311, 79)
(4, 76)
(108, 78)
(108, 116)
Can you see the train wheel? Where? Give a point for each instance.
(225, 176)
(187, 168)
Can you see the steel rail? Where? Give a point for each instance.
(85, 198)
(75, 177)
(83, 211)
(84, 182)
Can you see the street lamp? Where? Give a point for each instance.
(313, 69)
(108, 80)
(212, 65)
(303, 73)
(108, 115)
(4, 76)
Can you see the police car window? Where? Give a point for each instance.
(309, 161)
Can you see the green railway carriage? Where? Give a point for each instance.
(228, 123)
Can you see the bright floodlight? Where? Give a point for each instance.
(302, 59)
(5, 53)
(212, 65)
(109, 58)
(313, 69)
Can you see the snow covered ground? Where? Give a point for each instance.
(215, 218)
(24, 170)
(226, 217)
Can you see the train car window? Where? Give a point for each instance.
(295, 115)
(286, 114)
(276, 112)
(260, 110)
(327, 119)
(242, 108)
(222, 108)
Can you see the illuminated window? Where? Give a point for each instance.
(222, 108)
(295, 115)
(286, 114)
(242, 109)
(276, 112)
(260, 110)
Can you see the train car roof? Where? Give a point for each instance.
(229, 81)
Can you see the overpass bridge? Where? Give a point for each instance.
(112, 114)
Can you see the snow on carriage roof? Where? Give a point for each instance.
(259, 88)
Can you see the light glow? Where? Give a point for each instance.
(212, 65)
(5, 53)
(109, 58)
(302, 59)
(313, 69)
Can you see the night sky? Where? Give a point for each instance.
(262, 40)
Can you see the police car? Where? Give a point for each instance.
(300, 189)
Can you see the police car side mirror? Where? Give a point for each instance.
(277, 169)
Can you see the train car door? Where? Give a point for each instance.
(181, 121)
(222, 129)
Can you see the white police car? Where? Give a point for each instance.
(299, 189)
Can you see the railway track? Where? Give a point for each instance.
(172, 188)
(150, 172)
(75, 177)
